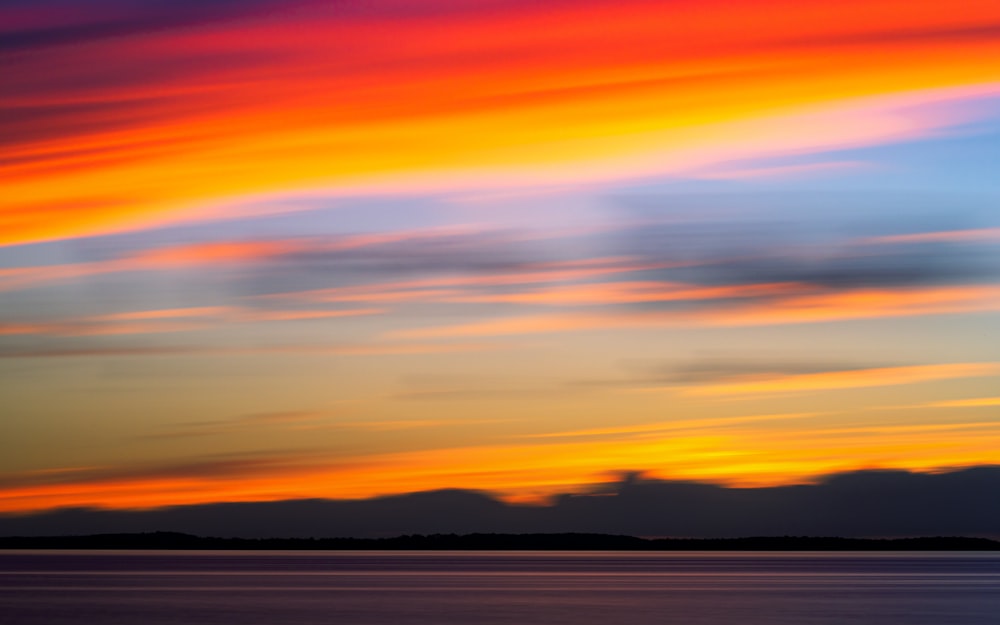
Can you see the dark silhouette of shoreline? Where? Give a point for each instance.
(501, 542)
(879, 503)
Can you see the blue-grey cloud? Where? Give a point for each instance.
(828, 240)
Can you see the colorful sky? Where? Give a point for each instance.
(260, 250)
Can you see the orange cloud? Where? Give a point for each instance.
(730, 454)
(165, 313)
(859, 304)
(671, 426)
(977, 402)
(210, 253)
(104, 143)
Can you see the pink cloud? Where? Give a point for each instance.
(778, 171)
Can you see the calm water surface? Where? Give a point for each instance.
(497, 588)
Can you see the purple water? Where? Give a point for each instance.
(498, 588)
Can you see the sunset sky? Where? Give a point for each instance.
(258, 250)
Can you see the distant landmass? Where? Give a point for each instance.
(502, 542)
(860, 504)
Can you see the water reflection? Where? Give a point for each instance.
(492, 588)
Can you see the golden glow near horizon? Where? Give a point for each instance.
(301, 250)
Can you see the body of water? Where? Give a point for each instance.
(498, 588)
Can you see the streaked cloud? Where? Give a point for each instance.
(762, 376)
(836, 380)
(387, 247)
(859, 304)
(822, 308)
(779, 170)
(202, 108)
(172, 320)
(398, 425)
(975, 402)
(726, 454)
(631, 292)
(680, 425)
(986, 235)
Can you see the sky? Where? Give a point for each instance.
(254, 251)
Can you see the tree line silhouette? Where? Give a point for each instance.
(501, 542)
